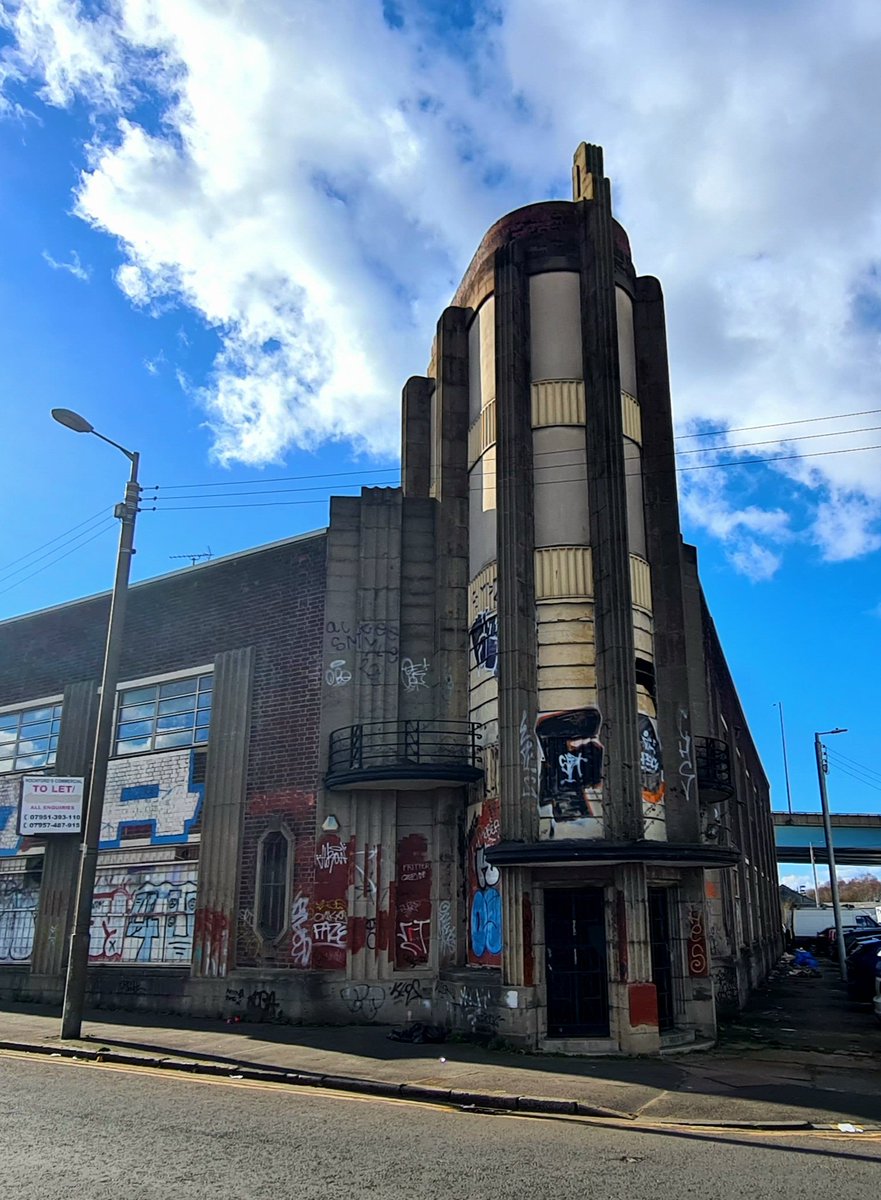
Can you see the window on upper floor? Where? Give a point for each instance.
(163, 715)
(29, 737)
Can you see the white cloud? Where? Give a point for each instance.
(74, 267)
(843, 527)
(318, 181)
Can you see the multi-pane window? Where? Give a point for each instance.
(272, 892)
(29, 737)
(160, 716)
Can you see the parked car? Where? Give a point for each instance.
(827, 938)
(862, 965)
(877, 1001)
(810, 927)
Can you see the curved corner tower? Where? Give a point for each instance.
(584, 856)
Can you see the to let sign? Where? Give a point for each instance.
(49, 805)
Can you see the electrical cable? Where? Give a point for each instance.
(853, 763)
(66, 554)
(4, 568)
(875, 786)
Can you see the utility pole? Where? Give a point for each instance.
(78, 959)
(827, 825)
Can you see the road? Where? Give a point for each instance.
(79, 1131)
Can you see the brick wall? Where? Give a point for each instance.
(271, 599)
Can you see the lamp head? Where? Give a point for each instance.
(64, 416)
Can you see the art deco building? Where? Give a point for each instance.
(473, 755)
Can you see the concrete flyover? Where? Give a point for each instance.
(856, 838)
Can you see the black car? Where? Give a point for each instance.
(861, 970)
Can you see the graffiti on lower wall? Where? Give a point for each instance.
(143, 914)
(329, 909)
(412, 902)
(484, 895)
(571, 777)
(651, 773)
(19, 893)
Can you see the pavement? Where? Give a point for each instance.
(799, 1056)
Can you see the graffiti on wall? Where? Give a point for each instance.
(376, 643)
(651, 773)
(337, 673)
(686, 760)
(446, 934)
(154, 798)
(484, 896)
(571, 779)
(414, 675)
(301, 932)
(412, 902)
(143, 914)
(330, 918)
(19, 893)
(698, 963)
(484, 635)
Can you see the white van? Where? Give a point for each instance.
(806, 923)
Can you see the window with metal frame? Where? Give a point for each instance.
(272, 891)
(29, 737)
(162, 716)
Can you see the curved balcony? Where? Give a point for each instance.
(713, 769)
(404, 754)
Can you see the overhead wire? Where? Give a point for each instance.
(706, 433)
(88, 520)
(72, 550)
(840, 760)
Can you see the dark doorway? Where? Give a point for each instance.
(575, 958)
(662, 966)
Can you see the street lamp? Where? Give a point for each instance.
(78, 960)
(827, 826)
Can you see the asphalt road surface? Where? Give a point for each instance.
(86, 1132)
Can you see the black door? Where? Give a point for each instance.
(662, 970)
(575, 958)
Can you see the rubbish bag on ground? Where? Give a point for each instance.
(418, 1033)
(804, 958)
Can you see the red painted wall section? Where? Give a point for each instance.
(643, 998)
(412, 902)
(329, 911)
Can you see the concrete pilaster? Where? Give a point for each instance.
(450, 488)
(222, 813)
(416, 436)
(76, 743)
(634, 995)
(616, 678)
(664, 540)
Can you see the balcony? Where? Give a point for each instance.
(713, 770)
(404, 755)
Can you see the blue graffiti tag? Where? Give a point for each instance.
(486, 922)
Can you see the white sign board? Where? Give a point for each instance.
(50, 804)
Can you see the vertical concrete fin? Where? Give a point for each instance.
(616, 678)
(664, 542)
(516, 571)
(61, 858)
(222, 813)
(416, 436)
(450, 439)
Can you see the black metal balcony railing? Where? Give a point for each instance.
(402, 753)
(713, 770)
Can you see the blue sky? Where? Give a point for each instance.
(228, 231)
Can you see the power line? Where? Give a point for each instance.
(67, 553)
(866, 412)
(52, 541)
(706, 433)
(865, 782)
(89, 526)
(746, 462)
(853, 763)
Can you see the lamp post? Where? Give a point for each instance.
(827, 826)
(78, 960)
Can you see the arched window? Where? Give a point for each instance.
(272, 887)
